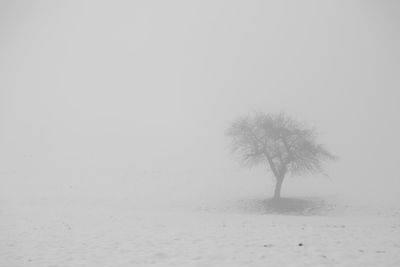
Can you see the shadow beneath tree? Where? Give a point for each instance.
(289, 206)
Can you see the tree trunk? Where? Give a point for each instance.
(278, 187)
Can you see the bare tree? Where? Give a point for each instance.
(287, 146)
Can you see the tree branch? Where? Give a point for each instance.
(271, 164)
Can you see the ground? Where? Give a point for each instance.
(244, 233)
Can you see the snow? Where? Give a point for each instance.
(104, 233)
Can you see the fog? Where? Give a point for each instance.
(132, 98)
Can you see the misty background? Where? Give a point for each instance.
(132, 99)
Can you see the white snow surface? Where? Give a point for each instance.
(239, 233)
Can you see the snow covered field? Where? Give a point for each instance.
(242, 233)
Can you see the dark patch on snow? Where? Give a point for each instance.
(288, 206)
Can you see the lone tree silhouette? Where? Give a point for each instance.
(286, 145)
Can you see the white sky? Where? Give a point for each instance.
(133, 97)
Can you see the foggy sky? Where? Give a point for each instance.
(127, 97)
